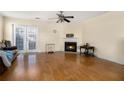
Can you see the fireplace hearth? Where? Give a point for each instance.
(71, 46)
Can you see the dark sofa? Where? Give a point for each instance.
(7, 47)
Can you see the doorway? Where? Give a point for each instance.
(25, 37)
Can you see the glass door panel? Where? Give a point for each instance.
(20, 37)
(31, 35)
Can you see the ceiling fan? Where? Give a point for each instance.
(62, 18)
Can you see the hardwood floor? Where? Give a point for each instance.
(62, 66)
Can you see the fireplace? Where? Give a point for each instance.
(71, 46)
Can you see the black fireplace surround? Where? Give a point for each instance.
(71, 46)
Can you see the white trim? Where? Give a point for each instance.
(70, 39)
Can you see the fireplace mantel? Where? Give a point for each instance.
(71, 39)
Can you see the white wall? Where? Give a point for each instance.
(1, 28)
(106, 33)
(46, 34)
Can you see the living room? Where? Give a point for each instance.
(43, 39)
(62, 46)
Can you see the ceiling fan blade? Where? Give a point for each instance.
(68, 16)
(66, 20)
(58, 21)
(58, 15)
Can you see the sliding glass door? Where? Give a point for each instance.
(25, 37)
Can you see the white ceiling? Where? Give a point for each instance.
(45, 15)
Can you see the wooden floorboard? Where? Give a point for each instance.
(62, 66)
